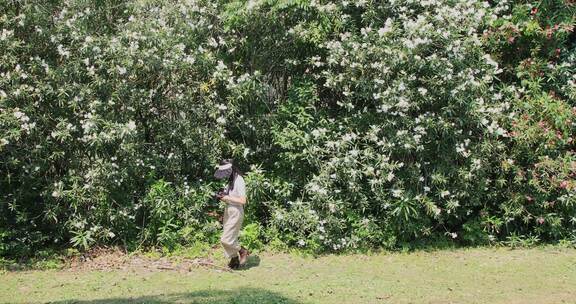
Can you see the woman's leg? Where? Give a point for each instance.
(233, 218)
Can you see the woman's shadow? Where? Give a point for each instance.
(253, 261)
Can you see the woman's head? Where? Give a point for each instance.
(225, 169)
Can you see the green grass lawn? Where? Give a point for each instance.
(485, 275)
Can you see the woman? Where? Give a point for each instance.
(235, 198)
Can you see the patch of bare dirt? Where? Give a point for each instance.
(109, 259)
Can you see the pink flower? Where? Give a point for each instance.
(540, 220)
(564, 184)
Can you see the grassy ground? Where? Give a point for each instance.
(487, 275)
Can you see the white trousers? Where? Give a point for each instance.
(233, 217)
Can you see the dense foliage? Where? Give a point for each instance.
(358, 123)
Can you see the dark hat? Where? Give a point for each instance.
(224, 169)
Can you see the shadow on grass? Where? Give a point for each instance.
(240, 295)
(253, 261)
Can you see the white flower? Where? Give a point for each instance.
(476, 162)
(444, 193)
(91, 70)
(500, 131)
(62, 51)
(19, 114)
(131, 125)
(301, 243)
(437, 211)
(221, 120)
(384, 30)
(221, 66)
(121, 70)
(332, 207)
(189, 59)
(490, 61)
(279, 216)
(251, 5)
(397, 192)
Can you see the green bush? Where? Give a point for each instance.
(359, 124)
(535, 176)
(251, 236)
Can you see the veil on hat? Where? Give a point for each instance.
(224, 170)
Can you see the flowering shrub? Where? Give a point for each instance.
(367, 124)
(99, 101)
(399, 151)
(537, 171)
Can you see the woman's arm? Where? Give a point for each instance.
(239, 197)
(234, 199)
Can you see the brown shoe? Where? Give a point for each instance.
(234, 263)
(243, 255)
